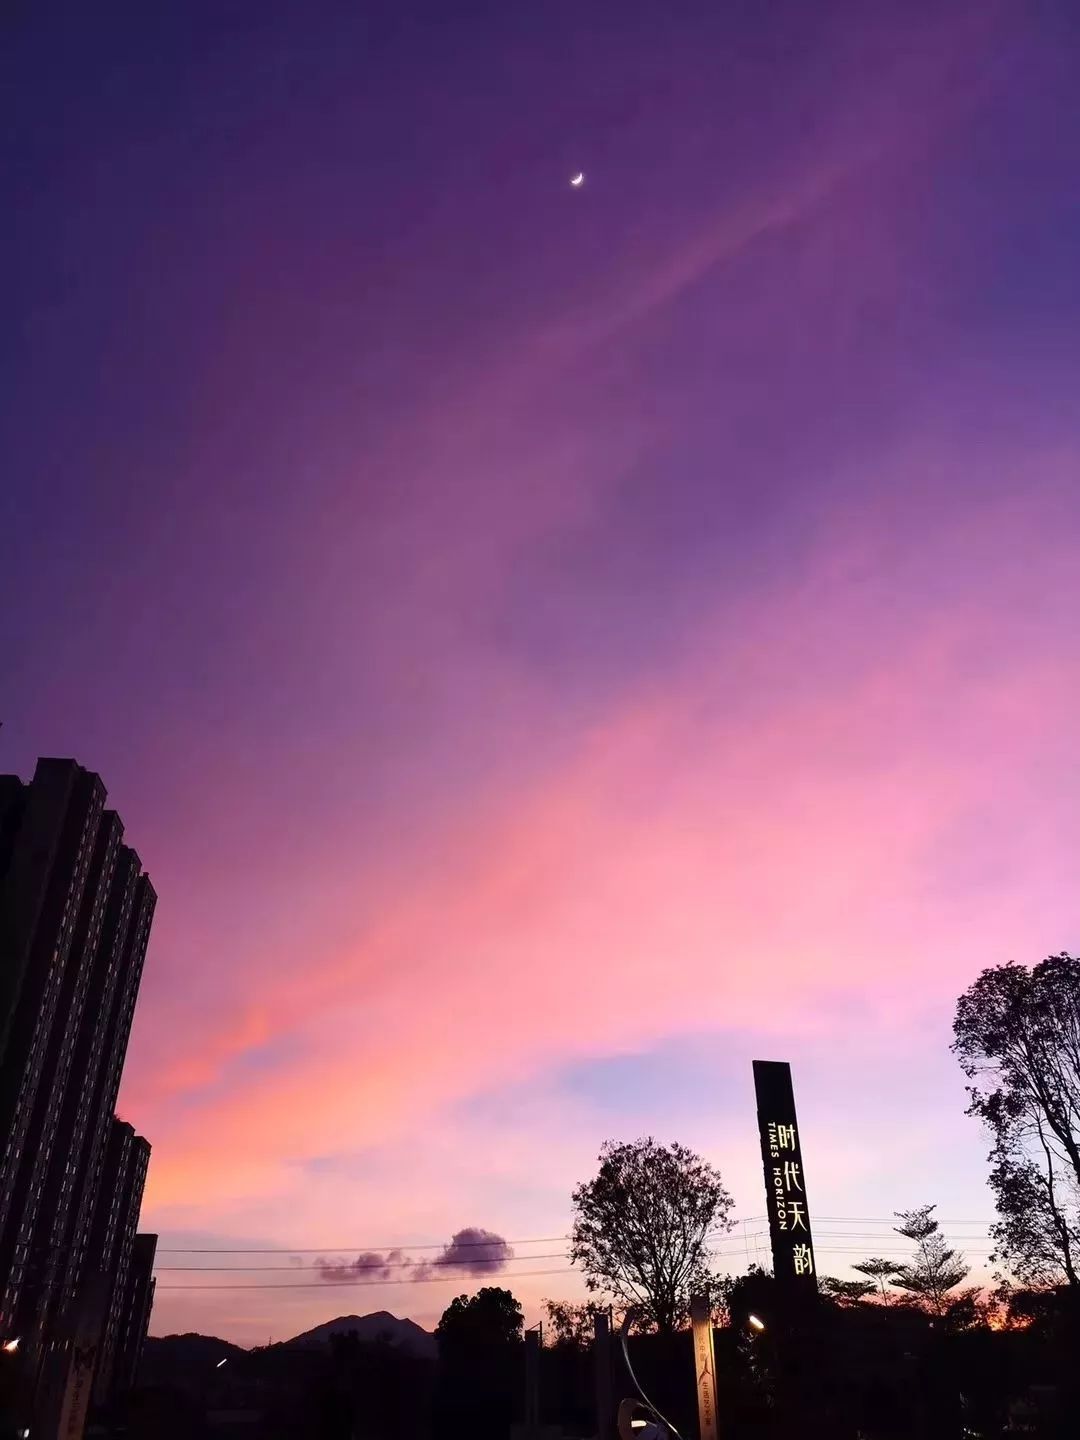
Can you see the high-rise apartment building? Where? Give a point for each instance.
(116, 1218)
(53, 824)
(135, 1307)
(72, 1188)
(75, 916)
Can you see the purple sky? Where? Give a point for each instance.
(549, 646)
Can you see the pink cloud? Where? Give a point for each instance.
(847, 781)
(769, 821)
(502, 452)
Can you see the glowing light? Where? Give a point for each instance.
(221, 1362)
(755, 1323)
(578, 180)
(10, 1346)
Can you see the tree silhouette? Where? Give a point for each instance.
(752, 1352)
(1017, 1035)
(880, 1271)
(926, 1282)
(572, 1324)
(480, 1355)
(753, 1293)
(490, 1317)
(846, 1292)
(936, 1270)
(640, 1227)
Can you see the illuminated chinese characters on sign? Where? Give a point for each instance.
(705, 1367)
(785, 1184)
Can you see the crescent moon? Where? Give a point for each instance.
(578, 179)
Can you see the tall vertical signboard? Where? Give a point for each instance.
(705, 1367)
(89, 1322)
(785, 1182)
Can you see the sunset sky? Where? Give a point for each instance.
(549, 646)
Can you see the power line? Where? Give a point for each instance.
(379, 1265)
(891, 1220)
(725, 1232)
(891, 1249)
(353, 1265)
(355, 1284)
(359, 1249)
(885, 1249)
(426, 1280)
(876, 1235)
(897, 1255)
(440, 1279)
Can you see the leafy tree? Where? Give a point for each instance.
(480, 1370)
(846, 1292)
(1017, 1035)
(936, 1270)
(570, 1324)
(752, 1354)
(641, 1226)
(927, 1282)
(753, 1293)
(880, 1271)
(490, 1317)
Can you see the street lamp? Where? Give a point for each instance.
(755, 1323)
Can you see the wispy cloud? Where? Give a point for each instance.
(801, 843)
(472, 1252)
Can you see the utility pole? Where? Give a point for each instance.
(605, 1415)
(533, 1338)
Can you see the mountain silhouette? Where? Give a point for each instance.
(405, 1334)
(183, 1359)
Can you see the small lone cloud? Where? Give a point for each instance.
(472, 1251)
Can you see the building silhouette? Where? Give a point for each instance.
(113, 1237)
(134, 1312)
(75, 916)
